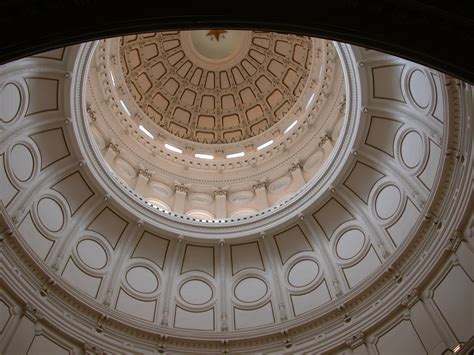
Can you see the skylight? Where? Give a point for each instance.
(235, 155)
(290, 127)
(147, 132)
(125, 107)
(264, 145)
(173, 148)
(204, 156)
(309, 101)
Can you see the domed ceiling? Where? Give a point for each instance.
(336, 229)
(216, 86)
(216, 113)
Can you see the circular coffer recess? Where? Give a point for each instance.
(303, 273)
(196, 292)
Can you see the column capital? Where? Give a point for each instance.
(259, 184)
(221, 191)
(293, 167)
(144, 172)
(114, 147)
(323, 140)
(181, 187)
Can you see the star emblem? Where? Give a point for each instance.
(216, 34)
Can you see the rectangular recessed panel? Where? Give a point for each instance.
(51, 145)
(109, 224)
(438, 111)
(308, 301)
(150, 51)
(194, 320)
(362, 179)
(210, 81)
(42, 95)
(282, 47)
(208, 102)
(184, 69)
(188, 97)
(75, 191)
(402, 227)
(55, 54)
(5, 315)
(426, 329)
(136, 307)
(153, 248)
(386, 82)
(401, 339)
(244, 318)
(224, 80)
(331, 216)
(35, 239)
(357, 273)
(41, 344)
(454, 297)
(7, 191)
(291, 242)
(246, 256)
(299, 54)
(381, 134)
(198, 258)
(144, 82)
(428, 174)
(81, 280)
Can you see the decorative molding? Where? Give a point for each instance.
(145, 173)
(294, 167)
(26, 275)
(259, 185)
(181, 187)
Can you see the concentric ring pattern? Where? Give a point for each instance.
(347, 234)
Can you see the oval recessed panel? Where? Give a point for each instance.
(337, 129)
(280, 184)
(50, 214)
(244, 212)
(313, 160)
(303, 273)
(241, 197)
(199, 214)
(250, 289)
(21, 162)
(412, 149)
(420, 88)
(124, 169)
(10, 101)
(142, 279)
(196, 292)
(159, 204)
(387, 201)
(160, 188)
(92, 254)
(98, 137)
(200, 198)
(350, 243)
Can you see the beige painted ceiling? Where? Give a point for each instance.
(216, 88)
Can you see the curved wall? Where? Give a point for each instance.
(374, 259)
